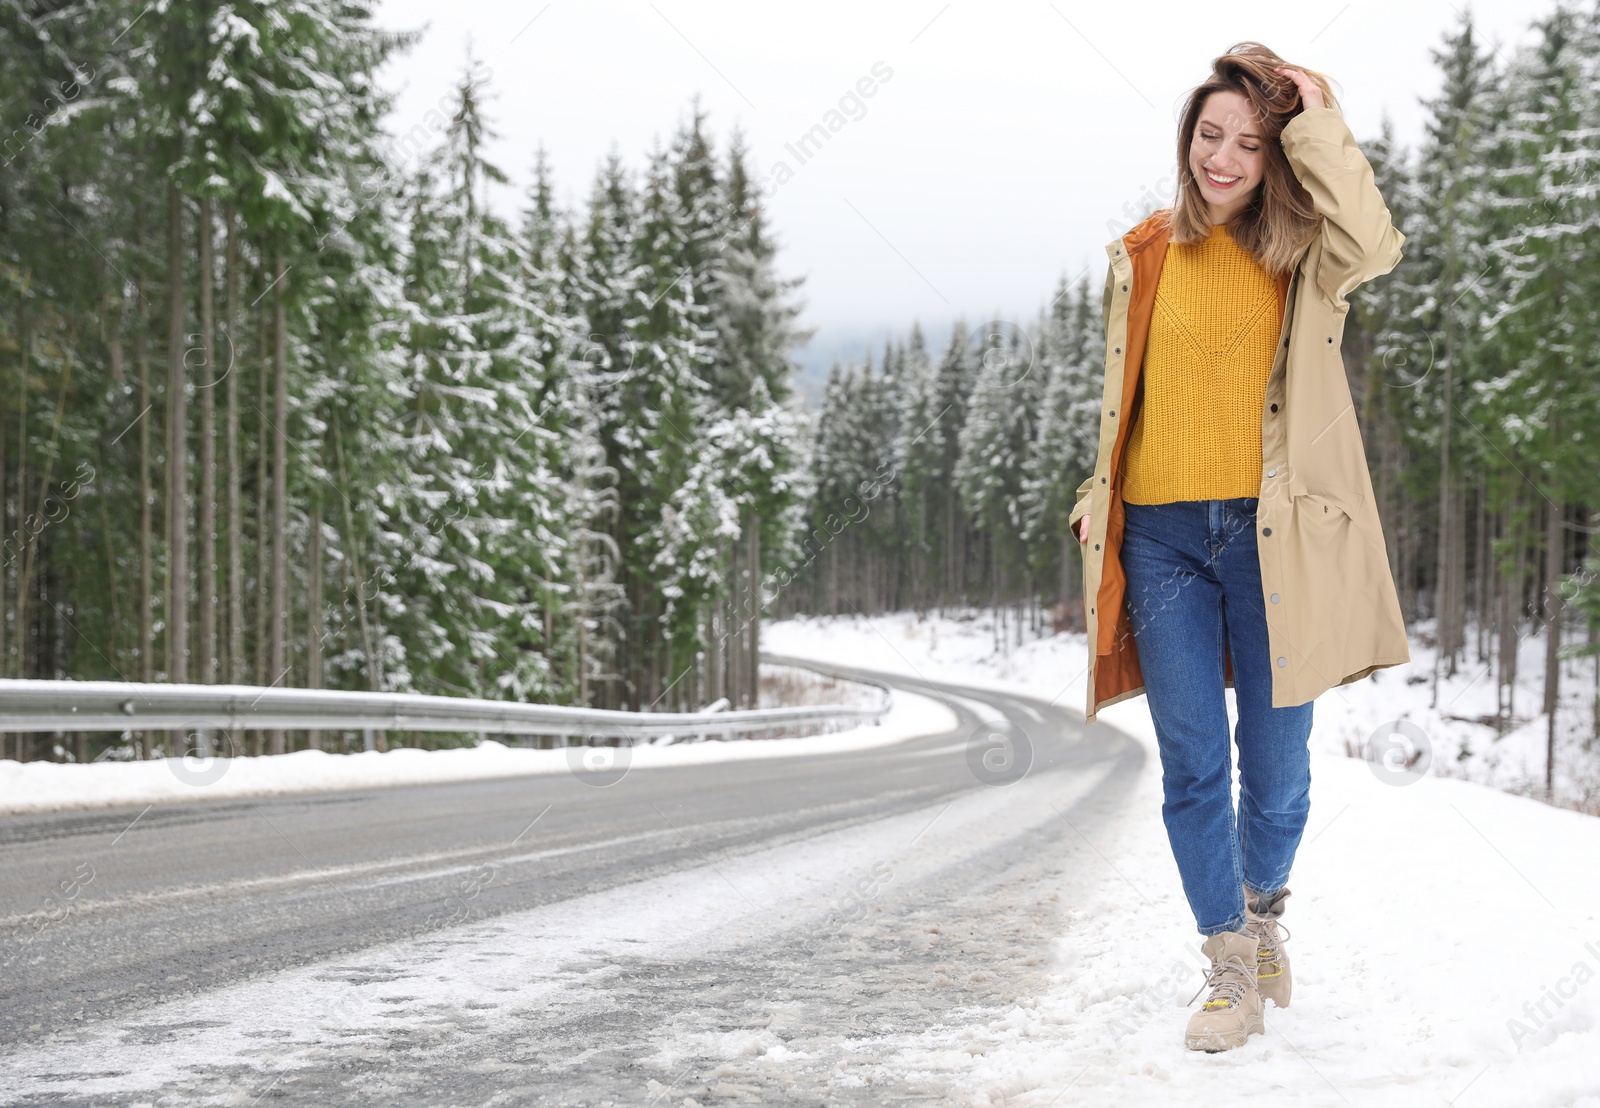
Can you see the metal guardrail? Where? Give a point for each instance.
(130, 706)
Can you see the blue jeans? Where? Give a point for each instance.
(1194, 583)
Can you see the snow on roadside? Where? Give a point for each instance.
(53, 786)
(1445, 936)
(1453, 737)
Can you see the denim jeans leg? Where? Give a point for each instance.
(1175, 603)
(1274, 750)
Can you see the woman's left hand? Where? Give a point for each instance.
(1310, 91)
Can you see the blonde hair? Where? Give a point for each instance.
(1280, 219)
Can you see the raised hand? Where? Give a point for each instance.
(1310, 91)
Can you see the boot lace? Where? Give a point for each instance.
(1226, 991)
(1269, 940)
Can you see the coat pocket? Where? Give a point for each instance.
(1316, 506)
(1328, 522)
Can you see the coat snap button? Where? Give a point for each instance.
(1272, 473)
(1119, 350)
(1283, 661)
(1124, 288)
(1113, 415)
(1274, 598)
(1274, 407)
(1102, 480)
(1266, 530)
(1330, 338)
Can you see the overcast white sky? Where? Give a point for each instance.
(1011, 142)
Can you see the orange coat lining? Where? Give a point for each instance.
(1119, 672)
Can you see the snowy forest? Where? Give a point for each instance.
(289, 402)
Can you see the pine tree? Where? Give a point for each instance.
(994, 442)
(1066, 439)
(1449, 244)
(485, 521)
(914, 464)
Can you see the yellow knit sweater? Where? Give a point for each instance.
(1213, 335)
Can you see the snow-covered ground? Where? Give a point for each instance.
(1446, 935)
(1453, 736)
(50, 786)
(1022, 946)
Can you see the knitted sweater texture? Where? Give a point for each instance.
(1213, 336)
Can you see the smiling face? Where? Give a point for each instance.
(1226, 155)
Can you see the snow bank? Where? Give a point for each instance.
(50, 786)
(1445, 936)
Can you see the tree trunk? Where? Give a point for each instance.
(1594, 700)
(1402, 512)
(1485, 580)
(753, 599)
(206, 522)
(353, 559)
(235, 668)
(277, 633)
(713, 654)
(263, 589)
(1511, 640)
(1443, 606)
(314, 628)
(19, 534)
(119, 387)
(373, 740)
(1458, 578)
(1554, 563)
(733, 628)
(44, 662)
(650, 690)
(177, 452)
(147, 491)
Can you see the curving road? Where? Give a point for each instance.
(752, 931)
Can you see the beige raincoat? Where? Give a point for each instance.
(1332, 613)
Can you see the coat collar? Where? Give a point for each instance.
(1153, 231)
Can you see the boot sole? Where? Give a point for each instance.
(1216, 1043)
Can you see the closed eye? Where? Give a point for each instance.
(1215, 138)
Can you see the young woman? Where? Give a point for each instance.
(1229, 529)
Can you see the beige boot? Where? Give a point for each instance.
(1272, 961)
(1232, 1013)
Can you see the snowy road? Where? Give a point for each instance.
(739, 929)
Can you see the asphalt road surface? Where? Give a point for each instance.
(736, 932)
